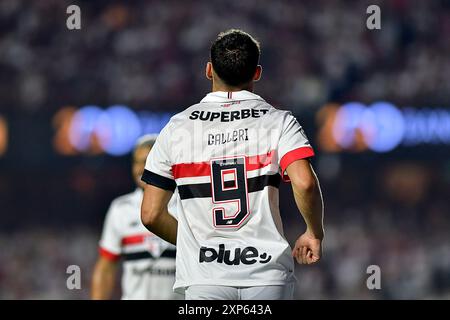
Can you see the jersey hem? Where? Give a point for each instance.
(180, 288)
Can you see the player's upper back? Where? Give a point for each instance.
(222, 126)
(227, 124)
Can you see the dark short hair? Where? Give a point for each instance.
(235, 56)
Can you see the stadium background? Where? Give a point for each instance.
(71, 103)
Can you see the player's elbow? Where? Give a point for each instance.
(149, 216)
(305, 184)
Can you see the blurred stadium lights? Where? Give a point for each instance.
(3, 135)
(380, 127)
(61, 123)
(93, 130)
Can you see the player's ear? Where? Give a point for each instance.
(258, 73)
(209, 71)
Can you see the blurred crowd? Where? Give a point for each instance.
(152, 53)
(34, 262)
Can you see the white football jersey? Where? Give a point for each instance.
(226, 157)
(148, 261)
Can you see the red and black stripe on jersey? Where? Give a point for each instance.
(136, 239)
(203, 190)
(201, 169)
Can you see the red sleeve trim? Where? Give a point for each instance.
(108, 254)
(291, 156)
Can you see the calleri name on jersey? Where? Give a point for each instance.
(226, 156)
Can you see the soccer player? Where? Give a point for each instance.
(149, 262)
(226, 157)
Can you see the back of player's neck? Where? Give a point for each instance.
(225, 88)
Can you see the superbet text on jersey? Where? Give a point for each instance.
(227, 156)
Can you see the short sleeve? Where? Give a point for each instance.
(293, 144)
(158, 167)
(110, 242)
(172, 205)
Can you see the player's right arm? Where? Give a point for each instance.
(105, 270)
(308, 197)
(294, 150)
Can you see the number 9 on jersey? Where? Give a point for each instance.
(229, 185)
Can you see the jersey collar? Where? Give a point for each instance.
(223, 96)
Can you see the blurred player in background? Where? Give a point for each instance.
(149, 262)
(229, 234)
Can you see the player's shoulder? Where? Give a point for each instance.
(178, 118)
(184, 115)
(276, 113)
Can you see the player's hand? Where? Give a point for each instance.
(308, 248)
